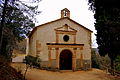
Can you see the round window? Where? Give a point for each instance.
(66, 38)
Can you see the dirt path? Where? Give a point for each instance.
(94, 74)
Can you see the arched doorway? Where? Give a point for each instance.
(66, 60)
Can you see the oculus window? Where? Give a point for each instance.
(66, 38)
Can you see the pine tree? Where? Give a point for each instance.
(18, 20)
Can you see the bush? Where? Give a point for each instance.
(32, 61)
(117, 63)
(95, 63)
(100, 62)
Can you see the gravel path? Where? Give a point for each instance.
(94, 74)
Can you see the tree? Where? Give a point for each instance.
(2, 23)
(31, 61)
(107, 15)
(18, 21)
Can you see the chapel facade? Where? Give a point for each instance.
(61, 44)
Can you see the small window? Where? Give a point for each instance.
(66, 38)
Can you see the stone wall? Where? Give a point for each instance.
(46, 34)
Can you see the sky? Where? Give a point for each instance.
(79, 12)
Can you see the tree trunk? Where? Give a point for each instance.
(27, 66)
(2, 24)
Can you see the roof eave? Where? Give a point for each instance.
(55, 21)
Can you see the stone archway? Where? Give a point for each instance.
(66, 60)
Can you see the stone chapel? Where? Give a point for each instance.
(61, 44)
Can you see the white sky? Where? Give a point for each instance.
(78, 12)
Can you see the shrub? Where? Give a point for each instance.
(100, 62)
(95, 63)
(32, 61)
(117, 63)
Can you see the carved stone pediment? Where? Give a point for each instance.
(65, 28)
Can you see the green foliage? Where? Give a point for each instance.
(29, 7)
(95, 63)
(19, 18)
(107, 15)
(18, 23)
(98, 61)
(16, 19)
(32, 61)
(117, 63)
